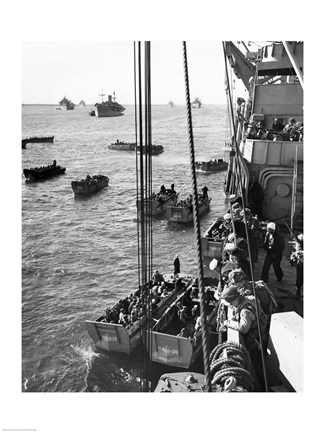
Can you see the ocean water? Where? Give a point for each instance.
(79, 255)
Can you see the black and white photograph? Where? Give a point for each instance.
(154, 231)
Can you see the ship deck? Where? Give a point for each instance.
(285, 290)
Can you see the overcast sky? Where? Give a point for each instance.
(80, 70)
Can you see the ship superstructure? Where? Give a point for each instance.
(108, 108)
(270, 155)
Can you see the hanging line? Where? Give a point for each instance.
(197, 227)
(140, 196)
(136, 164)
(149, 171)
(144, 214)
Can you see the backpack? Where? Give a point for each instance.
(263, 294)
(251, 338)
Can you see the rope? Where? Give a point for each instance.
(235, 364)
(137, 186)
(196, 225)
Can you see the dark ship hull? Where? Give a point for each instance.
(88, 188)
(104, 110)
(38, 174)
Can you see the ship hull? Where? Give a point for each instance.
(64, 108)
(122, 146)
(42, 174)
(38, 139)
(102, 111)
(211, 166)
(83, 188)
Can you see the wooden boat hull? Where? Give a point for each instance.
(158, 208)
(211, 166)
(183, 214)
(83, 188)
(116, 338)
(38, 175)
(122, 146)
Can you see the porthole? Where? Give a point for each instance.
(283, 190)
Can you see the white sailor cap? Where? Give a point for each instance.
(229, 247)
(213, 264)
(271, 225)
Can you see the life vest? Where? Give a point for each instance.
(251, 338)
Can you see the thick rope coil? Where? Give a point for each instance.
(242, 377)
(236, 363)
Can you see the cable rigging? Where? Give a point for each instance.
(144, 193)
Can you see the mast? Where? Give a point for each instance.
(102, 95)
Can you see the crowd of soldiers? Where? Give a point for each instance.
(164, 194)
(92, 180)
(187, 202)
(234, 233)
(278, 131)
(46, 168)
(134, 307)
(234, 270)
(292, 131)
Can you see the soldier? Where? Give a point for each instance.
(176, 264)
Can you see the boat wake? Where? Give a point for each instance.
(87, 356)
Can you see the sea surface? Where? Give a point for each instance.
(79, 255)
